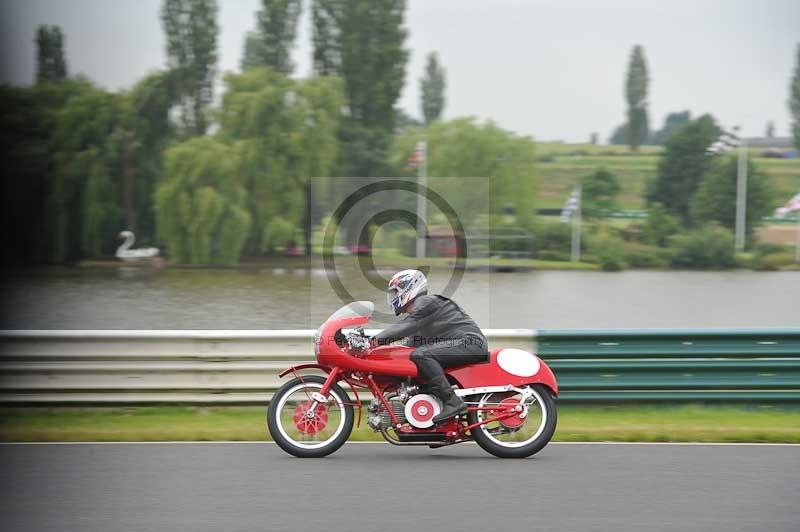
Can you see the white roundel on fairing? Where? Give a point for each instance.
(518, 362)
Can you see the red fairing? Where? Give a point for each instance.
(493, 374)
(505, 366)
(386, 360)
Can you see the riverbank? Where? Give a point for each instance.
(691, 423)
(391, 261)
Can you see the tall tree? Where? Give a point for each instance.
(769, 132)
(251, 52)
(682, 166)
(794, 100)
(432, 87)
(636, 86)
(271, 44)
(191, 30)
(362, 42)
(51, 64)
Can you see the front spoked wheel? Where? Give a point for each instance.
(304, 426)
(518, 436)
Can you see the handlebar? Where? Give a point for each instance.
(358, 340)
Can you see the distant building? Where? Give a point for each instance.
(766, 142)
(443, 242)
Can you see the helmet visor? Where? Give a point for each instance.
(393, 298)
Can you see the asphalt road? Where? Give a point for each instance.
(256, 487)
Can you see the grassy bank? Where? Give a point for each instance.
(613, 423)
(559, 166)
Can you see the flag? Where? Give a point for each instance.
(793, 205)
(417, 157)
(571, 206)
(725, 142)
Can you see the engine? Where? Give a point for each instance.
(407, 405)
(379, 418)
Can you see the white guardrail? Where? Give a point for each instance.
(160, 366)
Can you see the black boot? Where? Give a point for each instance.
(452, 405)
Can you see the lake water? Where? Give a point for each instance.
(275, 298)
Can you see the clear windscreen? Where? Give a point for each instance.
(354, 310)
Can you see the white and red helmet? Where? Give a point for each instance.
(405, 286)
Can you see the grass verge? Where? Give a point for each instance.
(612, 423)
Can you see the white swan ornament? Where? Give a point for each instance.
(125, 252)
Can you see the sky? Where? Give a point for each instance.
(551, 69)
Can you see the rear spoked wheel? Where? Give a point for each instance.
(304, 426)
(520, 435)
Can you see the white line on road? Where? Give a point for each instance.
(256, 442)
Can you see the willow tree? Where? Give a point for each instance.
(107, 157)
(142, 138)
(28, 122)
(83, 193)
(201, 207)
(285, 133)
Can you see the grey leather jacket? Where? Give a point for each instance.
(431, 319)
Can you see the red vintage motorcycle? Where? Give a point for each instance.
(511, 398)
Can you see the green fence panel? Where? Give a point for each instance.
(760, 365)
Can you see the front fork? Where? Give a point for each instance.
(333, 376)
(321, 397)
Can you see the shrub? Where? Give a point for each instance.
(552, 255)
(659, 226)
(599, 190)
(554, 237)
(773, 261)
(610, 253)
(642, 256)
(768, 248)
(710, 247)
(632, 232)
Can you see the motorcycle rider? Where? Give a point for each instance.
(442, 333)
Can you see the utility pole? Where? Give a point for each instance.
(797, 242)
(422, 180)
(575, 255)
(741, 196)
(724, 143)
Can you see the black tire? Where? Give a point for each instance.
(287, 444)
(491, 446)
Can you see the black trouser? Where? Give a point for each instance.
(431, 358)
